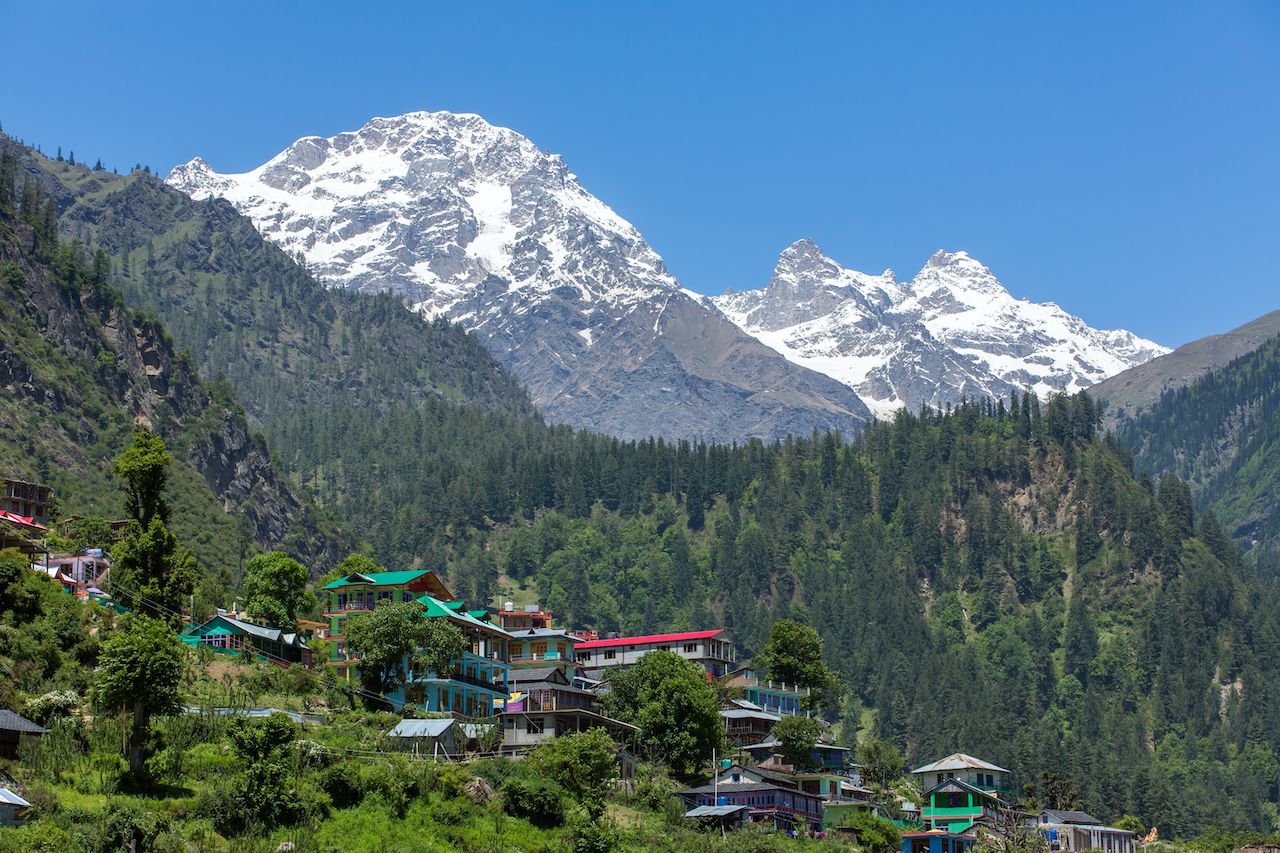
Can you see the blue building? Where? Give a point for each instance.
(477, 684)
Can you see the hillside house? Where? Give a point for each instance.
(712, 650)
(360, 593)
(937, 841)
(226, 635)
(13, 808)
(746, 722)
(777, 697)
(837, 794)
(778, 804)
(828, 756)
(538, 647)
(513, 619)
(30, 500)
(544, 705)
(22, 532)
(14, 729)
(966, 768)
(81, 575)
(1076, 831)
(477, 684)
(434, 736)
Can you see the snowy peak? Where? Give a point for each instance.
(953, 331)
(474, 222)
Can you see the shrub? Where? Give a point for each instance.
(36, 837)
(539, 801)
(342, 782)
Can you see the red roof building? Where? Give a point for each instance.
(713, 650)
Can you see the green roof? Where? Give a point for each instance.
(436, 608)
(377, 579)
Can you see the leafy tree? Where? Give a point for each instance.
(150, 571)
(274, 587)
(794, 654)
(581, 764)
(797, 737)
(262, 796)
(874, 834)
(144, 469)
(396, 632)
(675, 708)
(881, 762)
(141, 667)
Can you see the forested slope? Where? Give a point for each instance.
(250, 314)
(79, 370)
(1222, 434)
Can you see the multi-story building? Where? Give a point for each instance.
(538, 647)
(360, 593)
(746, 722)
(82, 575)
(29, 500)
(713, 650)
(529, 616)
(961, 791)
(777, 697)
(837, 794)
(476, 685)
(780, 804)
(828, 756)
(543, 705)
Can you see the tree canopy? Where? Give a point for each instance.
(675, 707)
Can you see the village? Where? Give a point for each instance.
(521, 680)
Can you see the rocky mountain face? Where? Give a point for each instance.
(952, 331)
(473, 222)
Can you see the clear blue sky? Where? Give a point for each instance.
(1120, 159)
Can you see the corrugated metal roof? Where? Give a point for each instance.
(747, 714)
(714, 811)
(14, 722)
(649, 638)
(959, 761)
(421, 728)
(10, 798)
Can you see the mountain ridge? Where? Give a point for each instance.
(951, 331)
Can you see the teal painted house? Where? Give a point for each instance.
(225, 635)
(477, 685)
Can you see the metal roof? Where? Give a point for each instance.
(421, 728)
(649, 638)
(14, 722)
(11, 799)
(959, 761)
(770, 743)
(714, 811)
(1071, 816)
(747, 714)
(534, 673)
(376, 578)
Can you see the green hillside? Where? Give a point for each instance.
(80, 370)
(1222, 434)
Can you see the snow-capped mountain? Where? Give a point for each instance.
(474, 222)
(953, 331)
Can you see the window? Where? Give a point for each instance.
(610, 654)
(691, 648)
(539, 649)
(533, 726)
